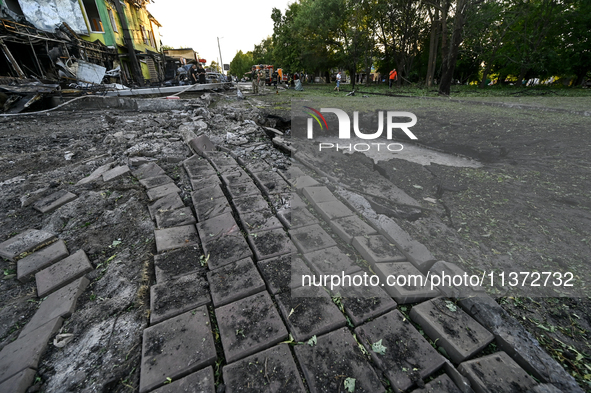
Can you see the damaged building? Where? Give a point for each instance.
(69, 42)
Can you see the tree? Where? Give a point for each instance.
(400, 28)
(241, 64)
(286, 38)
(575, 39)
(532, 41)
(215, 67)
(263, 53)
(450, 46)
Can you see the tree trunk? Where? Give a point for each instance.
(444, 39)
(449, 61)
(352, 75)
(485, 75)
(433, 48)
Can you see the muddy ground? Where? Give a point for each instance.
(526, 209)
(527, 206)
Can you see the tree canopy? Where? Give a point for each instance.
(432, 40)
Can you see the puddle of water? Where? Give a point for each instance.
(411, 153)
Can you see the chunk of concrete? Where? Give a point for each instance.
(24, 242)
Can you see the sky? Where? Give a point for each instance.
(197, 24)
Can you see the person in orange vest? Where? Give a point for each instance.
(393, 77)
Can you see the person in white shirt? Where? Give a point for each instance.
(338, 86)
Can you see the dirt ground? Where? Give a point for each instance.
(526, 208)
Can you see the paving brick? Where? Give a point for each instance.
(173, 264)
(272, 183)
(62, 273)
(227, 169)
(269, 244)
(24, 242)
(219, 159)
(19, 383)
(202, 381)
(318, 194)
(302, 182)
(31, 264)
(138, 161)
(293, 173)
(249, 325)
(407, 357)
(234, 281)
(177, 237)
(156, 181)
(496, 373)
(236, 177)
(116, 172)
(255, 166)
(206, 172)
(61, 303)
(419, 256)
(332, 210)
(545, 388)
(361, 300)
(173, 218)
(270, 371)
(335, 357)
(314, 313)
(195, 165)
(349, 227)
(283, 273)
(441, 384)
(259, 221)
(331, 261)
(217, 227)
(25, 352)
(249, 204)
(454, 330)
(442, 270)
(243, 189)
(175, 297)
(207, 193)
(176, 347)
(54, 201)
(201, 144)
(226, 249)
(202, 182)
(95, 175)
(211, 208)
(148, 170)
(517, 342)
(296, 217)
(168, 202)
(377, 249)
(311, 238)
(162, 191)
(414, 286)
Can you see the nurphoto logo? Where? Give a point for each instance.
(344, 130)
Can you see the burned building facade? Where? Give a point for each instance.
(47, 40)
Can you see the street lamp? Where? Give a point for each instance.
(221, 60)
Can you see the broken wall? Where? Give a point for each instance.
(46, 15)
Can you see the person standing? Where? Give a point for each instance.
(201, 72)
(193, 74)
(255, 82)
(393, 77)
(261, 75)
(338, 86)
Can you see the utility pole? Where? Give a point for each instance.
(221, 60)
(135, 64)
